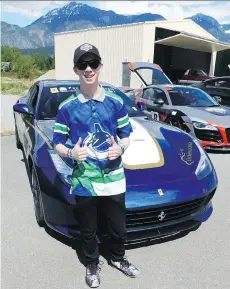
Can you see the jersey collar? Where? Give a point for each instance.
(99, 96)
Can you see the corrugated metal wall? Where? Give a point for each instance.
(116, 45)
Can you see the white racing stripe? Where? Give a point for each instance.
(143, 149)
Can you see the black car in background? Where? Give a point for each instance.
(218, 88)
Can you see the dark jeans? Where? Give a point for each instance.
(114, 212)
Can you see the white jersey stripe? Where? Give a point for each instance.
(110, 189)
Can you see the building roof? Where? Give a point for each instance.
(131, 24)
(191, 41)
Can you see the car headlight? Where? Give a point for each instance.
(64, 171)
(204, 167)
(201, 125)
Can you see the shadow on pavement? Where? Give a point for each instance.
(104, 247)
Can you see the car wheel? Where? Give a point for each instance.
(18, 143)
(37, 198)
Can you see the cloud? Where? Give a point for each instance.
(30, 9)
(171, 10)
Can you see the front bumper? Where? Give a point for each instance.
(214, 140)
(179, 217)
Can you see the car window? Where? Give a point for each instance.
(193, 72)
(154, 93)
(222, 83)
(201, 73)
(152, 76)
(183, 96)
(33, 96)
(162, 95)
(52, 97)
(149, 94)
(225, 83)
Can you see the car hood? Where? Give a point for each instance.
(219, 115)
(160, 159)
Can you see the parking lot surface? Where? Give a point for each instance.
(32, 258)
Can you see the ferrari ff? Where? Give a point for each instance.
(170, 178)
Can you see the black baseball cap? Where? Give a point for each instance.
(84, 49)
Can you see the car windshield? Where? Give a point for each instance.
(202, 73)
(152, 76)
(183, 96)
(53, 96)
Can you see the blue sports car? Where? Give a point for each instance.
(170, 178)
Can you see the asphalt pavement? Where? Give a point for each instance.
(32, 258)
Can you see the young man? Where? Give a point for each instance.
(93, 119)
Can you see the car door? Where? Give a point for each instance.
(219, 89)
(151, 95)
(28, 120)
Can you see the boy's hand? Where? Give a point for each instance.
(78, 152)
(114, 150)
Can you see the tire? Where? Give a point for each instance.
(17, 140)
(37, 198)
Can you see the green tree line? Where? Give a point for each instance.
(25, 66)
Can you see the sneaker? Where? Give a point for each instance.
(92, 277)
(127, 268)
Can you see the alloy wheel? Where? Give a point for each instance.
(38, 207)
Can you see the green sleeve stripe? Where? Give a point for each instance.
(122, 118)
(122, 125)
(59, 131)
(122, 121)
(61, 128)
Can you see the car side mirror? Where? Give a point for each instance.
(158, 101)
(141, 105)
(22, 108)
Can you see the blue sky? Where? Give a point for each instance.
(23, 13)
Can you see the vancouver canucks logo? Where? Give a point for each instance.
(98, 143)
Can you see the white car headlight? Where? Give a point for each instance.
(204, 167)
(201, 125)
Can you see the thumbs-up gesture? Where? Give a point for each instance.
(78, 152)
(114, 150)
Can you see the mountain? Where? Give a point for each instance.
(212, 26)
(75, 16)
(14, 35)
